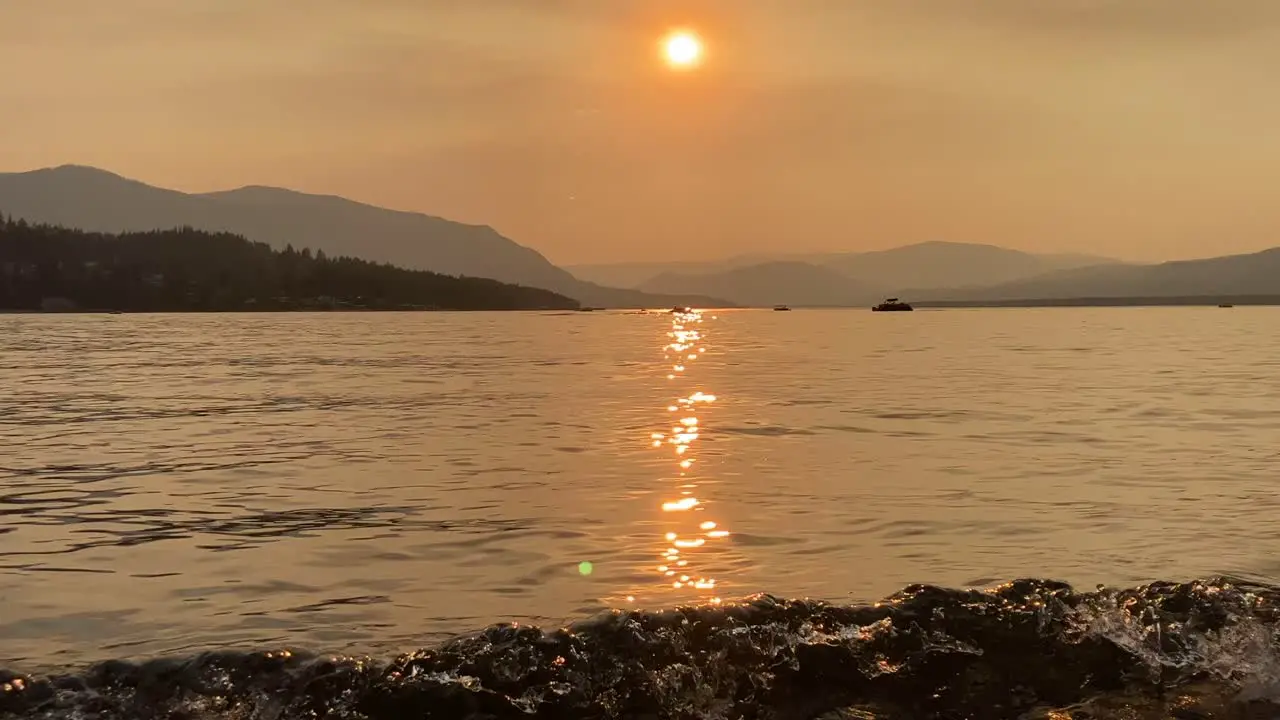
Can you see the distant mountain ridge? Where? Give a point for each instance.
(949, 264)
(1229, 275)
(842, 279)
(186, 270)
(97, 200)
(773, 283)
(963, 272)
(636, 274)
(860, 275)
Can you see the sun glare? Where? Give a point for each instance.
(682, 49)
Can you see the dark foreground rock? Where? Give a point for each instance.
(1027, 649)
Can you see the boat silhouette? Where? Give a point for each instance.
(892, 305)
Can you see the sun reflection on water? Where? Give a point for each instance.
(687, 532)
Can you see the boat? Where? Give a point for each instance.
(781, 308)
(681, 310)
(1226, 305)
(892, 305)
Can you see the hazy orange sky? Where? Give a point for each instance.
(1142, 129)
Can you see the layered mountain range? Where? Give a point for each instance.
(97, 200)
(949, 272)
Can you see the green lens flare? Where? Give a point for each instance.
(585, 568)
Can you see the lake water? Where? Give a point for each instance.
(378, 482)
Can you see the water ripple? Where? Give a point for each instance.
(368, 483)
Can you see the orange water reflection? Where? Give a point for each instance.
(688, 532)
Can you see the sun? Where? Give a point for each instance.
(682, 49)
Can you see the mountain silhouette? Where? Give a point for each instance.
(843, 279)
(938, 264)
(44, 267)
(774, 283)
(1249, 274)
(637, 274)
(96, 200)
(927, 265)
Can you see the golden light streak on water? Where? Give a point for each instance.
(689, 534)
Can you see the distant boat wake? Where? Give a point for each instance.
(1026, 649)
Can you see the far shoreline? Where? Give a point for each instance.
(1146, 301)
(1100, 302)
(1137, 301)
(282, 311)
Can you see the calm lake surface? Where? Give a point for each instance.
(374, 482)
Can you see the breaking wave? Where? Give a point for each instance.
(1025, 649)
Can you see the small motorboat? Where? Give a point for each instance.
(781, 308)
(681, 311)
(1226, 305)
(892, 305)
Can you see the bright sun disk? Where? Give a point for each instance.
(683, 49)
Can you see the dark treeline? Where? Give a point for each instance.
(53, 268)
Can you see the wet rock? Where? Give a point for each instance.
(1025, 649)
